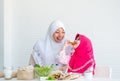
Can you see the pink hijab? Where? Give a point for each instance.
(83, 57)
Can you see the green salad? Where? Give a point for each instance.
(43, 70)
(51, 78)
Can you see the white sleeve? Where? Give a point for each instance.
(31, 61)
(37, 57)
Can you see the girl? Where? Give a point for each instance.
(82, 59)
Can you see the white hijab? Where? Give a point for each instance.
(45, 51)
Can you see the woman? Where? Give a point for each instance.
(45, 51)
(83, 59)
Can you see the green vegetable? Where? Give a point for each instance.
(52, 65)
(43, 70)
(51, 78)
(37, 65)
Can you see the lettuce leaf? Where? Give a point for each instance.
(43, 70)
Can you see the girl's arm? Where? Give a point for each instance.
(65, 54)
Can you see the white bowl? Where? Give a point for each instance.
(42, 78)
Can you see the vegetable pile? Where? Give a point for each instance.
(43, 70)
(51, 78)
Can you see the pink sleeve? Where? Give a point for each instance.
(63, 58)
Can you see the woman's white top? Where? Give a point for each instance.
(45, 51)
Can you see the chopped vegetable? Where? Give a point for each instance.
(37, 65)
(51, 78)
(43, 70)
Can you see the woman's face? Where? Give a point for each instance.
(58, 35)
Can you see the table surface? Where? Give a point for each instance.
(81, 79)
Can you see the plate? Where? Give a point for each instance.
(42, 78)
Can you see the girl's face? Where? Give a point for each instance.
(77, 42)
(58, 35)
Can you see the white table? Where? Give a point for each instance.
(82, 79)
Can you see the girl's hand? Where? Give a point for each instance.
(66, 44)
(63, 68)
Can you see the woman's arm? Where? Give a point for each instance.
(31, 61)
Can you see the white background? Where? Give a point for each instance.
(25, 21)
